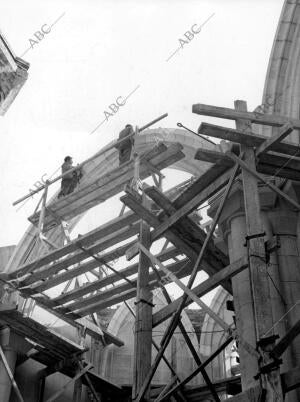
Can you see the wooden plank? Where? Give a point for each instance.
(198, 193)
(108, 185)
(81, 269)
(86, 240)
(268, 163)
(110, 279)
(287, 339)
(92, 303)
(174, 322)
(187, 227)
(185, 289)
(172, 235)
(259, 281)
(253, 172)
(246, 138)
(249, 395)
(273, 120)
(143, 319)
(198, 370)
(201, 289)
(62, 390)
(80, 323)
(10, 375)
(275, 139)
(106, 242)
(291, 379)
(114, 183)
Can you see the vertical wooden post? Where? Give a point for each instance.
(143, 320)
(257, 261)
(77, 390)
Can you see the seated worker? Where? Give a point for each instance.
(70, 180)
(125, 146)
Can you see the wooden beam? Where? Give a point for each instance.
(249, 395)
(109, 280)
(174, 322)
(291, 379)
(10, 375)
(81, 269)
(189, 344)
(143, 320)
(186, 226)
(89, 382)
(287, 339)
(96, 302)
(185, 289)
(75, 378)
(198, 370)
(273, 120)
(201, 289)
(172, 235)
(269, 163)
(108, 228)
(259, 281)
(261, 178)
(246, 138)
(276, 139)
(106, 242)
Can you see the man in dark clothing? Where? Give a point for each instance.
(125, 147)
(70, 180)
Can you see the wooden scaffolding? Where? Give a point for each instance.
(247, 157)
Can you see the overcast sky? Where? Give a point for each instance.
(97, 51)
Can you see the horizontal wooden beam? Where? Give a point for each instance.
(108, 228)
(291, 379)
(203, 288)
(79, 270)
(274, 120)
(245, 138)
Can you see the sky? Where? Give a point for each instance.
(95, 52)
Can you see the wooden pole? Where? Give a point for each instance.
(173, 324)
(10, 375)
(198, 369)
(257, 260)
(107, 148)
(189, 344)
(143, 321)
(62, 390)
(77, 390)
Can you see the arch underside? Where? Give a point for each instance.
(27, 250)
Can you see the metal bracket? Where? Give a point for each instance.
(267, 368)
(253, 236)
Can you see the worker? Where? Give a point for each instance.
(70, 180)
(125, 147)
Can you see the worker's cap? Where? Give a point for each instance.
(128, 125)
(67, 158)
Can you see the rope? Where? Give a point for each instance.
(280, 319)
